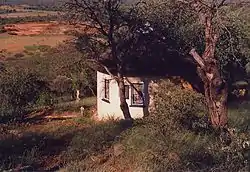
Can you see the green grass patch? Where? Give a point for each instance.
(41, 48)
(239, 116)
(75, 106)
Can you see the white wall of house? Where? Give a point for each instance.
(110, 107)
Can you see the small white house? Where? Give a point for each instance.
(108, 101)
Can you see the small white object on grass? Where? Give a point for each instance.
(82, 110)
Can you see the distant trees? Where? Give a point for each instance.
(3, 11)
(44, 78)
(14, 20)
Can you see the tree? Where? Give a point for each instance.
(65, 63)
(216, 89)
(204, 28)
(110, 38)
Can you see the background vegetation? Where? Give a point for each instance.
(42, 128)
(45, 76)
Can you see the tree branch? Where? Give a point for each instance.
(104, 67)
(90, 11)
(197, 58)
(221, 4)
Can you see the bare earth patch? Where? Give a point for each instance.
(52, 33)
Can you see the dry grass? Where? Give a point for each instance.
(39, 142)
(30, 13)
(13, 43)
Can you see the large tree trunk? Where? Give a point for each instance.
(216, 98)
(123, 103)
(215, 87)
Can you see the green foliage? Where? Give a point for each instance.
(44, 99)
(239, 116)
(176, 108)
(18, 90)
(14, 20)
(41, 48)
(150, 149)
(176, 27)
(64, 69)
(171, 99)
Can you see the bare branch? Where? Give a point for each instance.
(221, 4)
(84, 6)
(104, 67)
(132, 85)
(197, 58)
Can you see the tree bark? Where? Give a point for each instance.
(216, 91)
(216, 99)
(123, 104)
(77, 95)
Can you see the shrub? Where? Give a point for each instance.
(44, 99)
(18, 55)
(172, 99)
(62, 85)
(18, 91)
(175, 106)
(44, 48)
(162, 143)
(150, 148)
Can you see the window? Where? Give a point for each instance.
(127, 91)
(137, 94)
(106, 89)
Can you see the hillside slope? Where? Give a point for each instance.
(30, 2)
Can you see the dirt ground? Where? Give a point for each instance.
(17, 36)
(37, 28)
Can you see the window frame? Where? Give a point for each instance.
(133, 91)
(106, 96)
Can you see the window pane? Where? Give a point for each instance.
(137, 95)
(106, 89)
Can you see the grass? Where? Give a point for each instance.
(14, 43)
(40, 144)
(75, 106)
(81, 144)
(28, 13)
(147, 146)
(239, 116)
(41, 48)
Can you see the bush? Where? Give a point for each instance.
(149, 147)
(162, 142)
(18, 91)
(175, 106)
(44, 99)
(172, 99)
